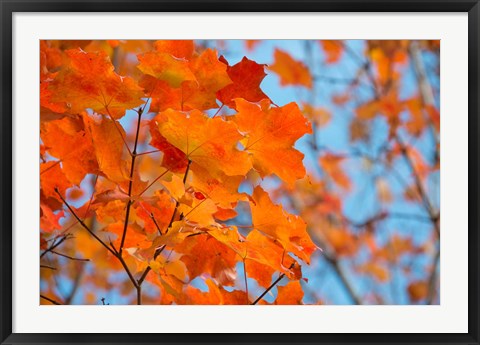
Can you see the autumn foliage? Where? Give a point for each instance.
(170, 176)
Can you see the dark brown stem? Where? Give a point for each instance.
(280, 277)
(76, 285)
(111, 250)
(54, 245)
(139, 295)
(156, 224)
(433, 277)
(245, 278)
(434, 216)
(50, 300)
(148, 269)
(148, 152)
(48, 267)
(69, 257)
(336, 266)
(130, 183)
(99, 240)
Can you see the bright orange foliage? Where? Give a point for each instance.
(171, 173)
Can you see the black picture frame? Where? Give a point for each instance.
(8, 7)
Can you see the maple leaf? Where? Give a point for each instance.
(173, 158)
(166, 67)
(88, 81)
(177, 48)
(107, 140)
(161, 206)
(330, 163)
(292, 293)
(247, 75)
(52, 178)
(210, 76)
(204, 254)
(333, 50)
(215, 295)
(271, 134)
(209, 142)
(49, 221)
(264, 256)
(290, 71)
(135, 237)
(222, 189)
(67, 140)
(288, 229)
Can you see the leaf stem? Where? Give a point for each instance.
(130, 184)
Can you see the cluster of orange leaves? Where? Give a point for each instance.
(172, 207)
(179, 204)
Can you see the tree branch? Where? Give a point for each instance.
(69, 257)
(54, 245)
(50, 300)
(130, 184)
(343, 278)
(83, 224)
(280, 277)
(434, 216)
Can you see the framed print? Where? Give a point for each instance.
(277, 172)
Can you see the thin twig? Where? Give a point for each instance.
(130, 184)
(433, 277)
(54, 245)
(245, 278)
(434, 216)
(48, 267)
(280, 277)
(148, 269)
(83, 224)
(336, 266)
(69, 257)
(50, 300)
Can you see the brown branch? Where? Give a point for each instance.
(343, 278)
(434, 216)
(426, 92)
(130, 184)
(48, 267)
(54, 245)
(50, 300)
(156, 224)
(245, 278)
(76, 285)
(83, 224)
(111, 250)
(366, 66)
(433, 277)
(148, 152)
(280, 277)
(148, 269)
(69, 257)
